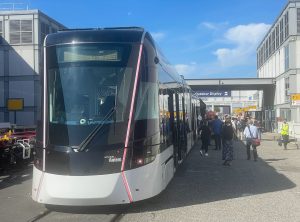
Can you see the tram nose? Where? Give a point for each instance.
(79, 190)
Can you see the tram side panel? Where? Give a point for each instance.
(151, 165)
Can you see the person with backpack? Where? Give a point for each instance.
(227, 136)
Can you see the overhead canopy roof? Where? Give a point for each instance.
(232, 84)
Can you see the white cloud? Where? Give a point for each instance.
(158, 36)
(245, 39)
(213, 26)
(209, 25)
(186, 69)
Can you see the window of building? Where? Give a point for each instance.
(285, 114)
(1, 29)
(20, 31)
(273, 41)
(1, 32)
(267, 49)
(264, 53)
(45, 30)
(298, 20)
(281, 32)
(53, 30)
(287, 88)
(270, 44)
(286, 25)
(286, 58)
(277, 37)
(261, 56)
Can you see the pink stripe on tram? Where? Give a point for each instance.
(129, 126)
(131, 107)
(127, 187)
(39, 187)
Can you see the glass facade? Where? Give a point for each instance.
(274, 39)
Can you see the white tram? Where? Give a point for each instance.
(117, 119)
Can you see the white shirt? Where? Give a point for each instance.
(233, 125)
(253, 130)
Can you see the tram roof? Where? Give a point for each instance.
(118, 34)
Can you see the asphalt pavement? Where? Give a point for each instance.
(202, 190)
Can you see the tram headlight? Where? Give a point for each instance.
(140, 161)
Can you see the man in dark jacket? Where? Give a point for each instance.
(227, 136)
(205, 135)
(217, 128)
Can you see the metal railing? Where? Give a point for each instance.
(13, 6)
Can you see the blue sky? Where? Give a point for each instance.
(203, 39)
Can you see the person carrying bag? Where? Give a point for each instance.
(254, 141)
(251, 135)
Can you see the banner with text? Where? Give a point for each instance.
(213, 93)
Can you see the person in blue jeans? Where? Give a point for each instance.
(217, 129)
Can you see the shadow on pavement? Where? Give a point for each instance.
(207, 180)
(204, 179)
(15, 175)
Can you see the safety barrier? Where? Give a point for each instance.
(24, 143)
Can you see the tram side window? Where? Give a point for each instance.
(165, 129)
(147, 97)
(166, 107)
(188, 114)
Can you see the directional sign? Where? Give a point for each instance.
(214, 93)
(295, 99)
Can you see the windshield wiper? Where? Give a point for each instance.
(91, 136)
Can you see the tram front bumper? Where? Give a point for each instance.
(78, 190)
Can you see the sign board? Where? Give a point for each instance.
(214, 93)
(15, 104)
(245, 109)
(295, 99)
(252, 107)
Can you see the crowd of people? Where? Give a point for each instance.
(225, 131)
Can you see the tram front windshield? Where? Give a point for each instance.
(88, 85)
